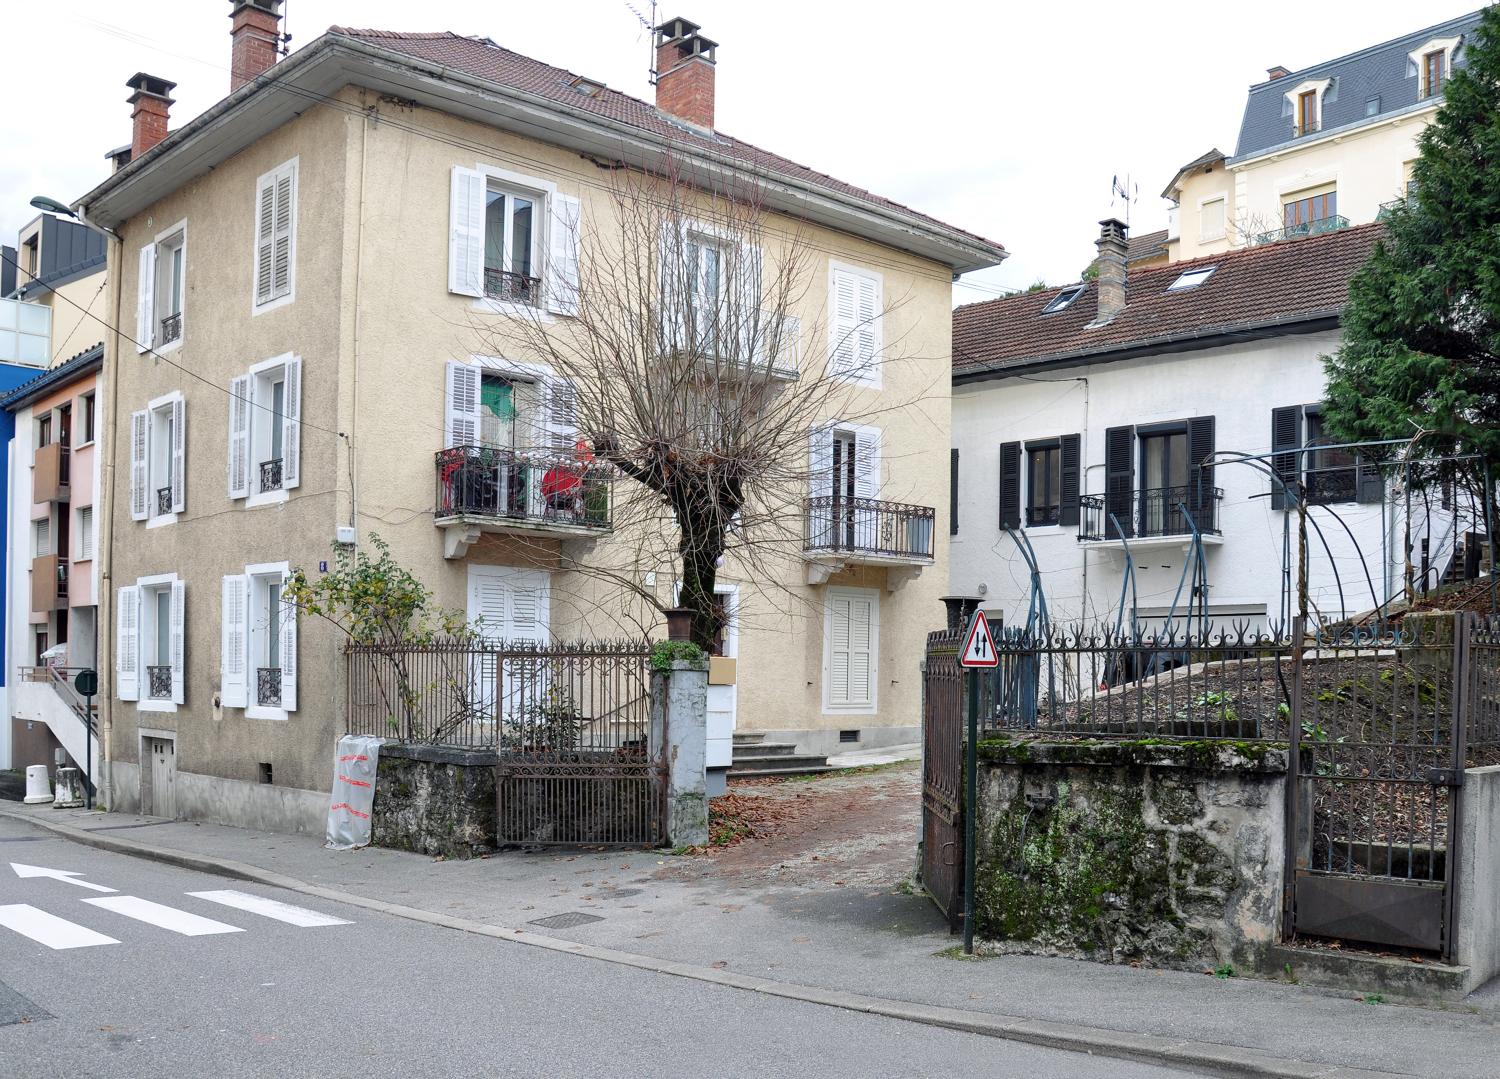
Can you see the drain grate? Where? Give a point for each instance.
(620, 893)
(565, 921)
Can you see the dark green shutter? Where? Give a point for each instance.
(1286, 434)
(1369, 482)
(1010, 485)
(1200, 500)
(953, 492)
(1119, 479)
(1071, 468)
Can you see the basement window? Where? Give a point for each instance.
(1191, 279)
(848, 736)
(1063, 299)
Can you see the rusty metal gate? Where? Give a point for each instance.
(942, 774)
(1383, 728)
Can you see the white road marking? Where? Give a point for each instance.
(56, 933)
(164, 917)
(64, 875)
(270, 908)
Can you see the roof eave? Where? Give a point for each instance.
(89, 361)
(1334, 133)
(336, 60)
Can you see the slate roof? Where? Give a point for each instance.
(482, 58)
(1254, 290)
(1380, 71)
(70, 368)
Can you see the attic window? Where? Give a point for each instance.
(1063, 298)
(1191, 279)
(587, 87)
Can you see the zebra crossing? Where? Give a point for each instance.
(118, 912)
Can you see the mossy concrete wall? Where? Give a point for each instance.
(1166, 854)
(434, 800)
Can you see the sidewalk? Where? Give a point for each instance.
(818, 904)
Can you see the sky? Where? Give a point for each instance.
(1007, 119)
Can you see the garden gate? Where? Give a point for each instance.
(942, 773)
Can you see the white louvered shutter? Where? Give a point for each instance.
(291, 425)
(139, 443)
(145, 302)
(672, 286)
(754, 347)
(461, 420)
(178, 639)
(128, 643)
(820, 485)
(179, 455)
(867, 485)
(562, 261)
(288, 653)
(843, 314)
(281, 248)
(265, 240)
(528, 613)
(239, 436)
(234, 686)
(868, 330)
(466, 232)
(562, 415)
(851, 653)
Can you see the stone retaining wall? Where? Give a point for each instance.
(434, 800)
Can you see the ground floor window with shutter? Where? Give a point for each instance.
(150, 643)
(265, 421)
(258, 652)
(1046, 472)
(851, 650)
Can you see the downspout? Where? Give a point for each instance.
(105, 622)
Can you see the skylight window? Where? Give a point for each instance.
(1063, 298)
(1191, 279)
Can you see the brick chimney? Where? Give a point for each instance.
(1110, 267)
(256, 35)
(1277, 72)
(685, 73)
(150, 104)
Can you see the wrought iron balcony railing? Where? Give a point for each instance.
(159, 683)
(270, 475)
(163, 500)
(1305, 228)
(866, 526)
(1310, 127)
(530, 488)
(268, 687)
(1161, 511)
(171, 328)
(512, 287)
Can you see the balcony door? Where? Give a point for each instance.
(845, 486)
(1164, 481)
(511, 604)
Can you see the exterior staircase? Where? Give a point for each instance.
(754, 756)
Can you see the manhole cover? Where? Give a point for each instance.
(566, 921)
(621, 893)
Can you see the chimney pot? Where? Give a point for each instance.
(255, 37)
(685, 73)
(1109, 283)
(1277, 72)
(150, 104)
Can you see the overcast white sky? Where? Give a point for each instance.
(1008, 119)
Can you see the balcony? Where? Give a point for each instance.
(171, 328)
(1156, 517)
(509, 287)
(840, 532)
(481, 489)
(767, 343)
(49, 583)
(50, 473)
(1306, 228)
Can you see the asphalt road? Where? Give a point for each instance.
(148, 979)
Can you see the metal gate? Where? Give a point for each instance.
(942, 774)
(1383, 729)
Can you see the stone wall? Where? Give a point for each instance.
(1167, 854)
(434, 800)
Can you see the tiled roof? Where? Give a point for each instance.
(1146, 245)
(1273, 284)
(483, 59)
(56, 376)
(1212, 157)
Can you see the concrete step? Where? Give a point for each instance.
(778, 762)
(747, 738)
(765, 749)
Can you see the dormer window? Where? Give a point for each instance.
(1432, 64)
(1304, 104)
(1063, 299)
(1307, 112)
(1433, 67)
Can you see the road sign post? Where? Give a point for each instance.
(86, 683)
(978, 653)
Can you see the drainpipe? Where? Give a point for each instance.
(105, 622)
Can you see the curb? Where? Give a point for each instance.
(1205, 1058)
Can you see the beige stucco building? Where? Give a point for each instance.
(1320, 148)
(322, 269)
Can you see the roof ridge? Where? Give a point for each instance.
(1368, 49)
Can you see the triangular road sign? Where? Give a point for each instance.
(979, 644)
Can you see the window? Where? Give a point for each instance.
(169, 267)
(149, 642)
(1063, 299)
(855, 323)
(513, 239)
(265, 430)
(30, 255)
(1327, 475)
(85, 533)
(953, 491)
(158, 458)
(1153, 474)
(41, 538)
(1304, 213)
(511, 232)
(1433, 70)
(1372, 107)
(275, 237)
(1307, 112)
(845, 479)
(89, 415)
(1191, 279)
(1211, 220)
(25, 333)
(44, 431)
(1043, 483)
(258, 643)
(160, 290)
(851, 651)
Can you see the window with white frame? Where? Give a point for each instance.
(844, 470)
(258, 653)
(161, 290)
(1304, 104)
(1432, 64)
(513, 240)
(1211, 219)
(515, 407)
(855, 323)
(158, 459)
(150, 642)
(265, 430)
(851, 650)
(275, 237)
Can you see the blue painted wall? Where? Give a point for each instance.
(11, 376)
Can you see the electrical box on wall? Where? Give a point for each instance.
(344, 534)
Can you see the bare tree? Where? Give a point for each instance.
(693, 376)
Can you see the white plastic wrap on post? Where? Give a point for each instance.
(353, 797)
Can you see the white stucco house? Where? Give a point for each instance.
(1082, 416)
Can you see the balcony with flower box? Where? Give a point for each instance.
(481, 489)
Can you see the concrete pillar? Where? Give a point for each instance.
(679, 723)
